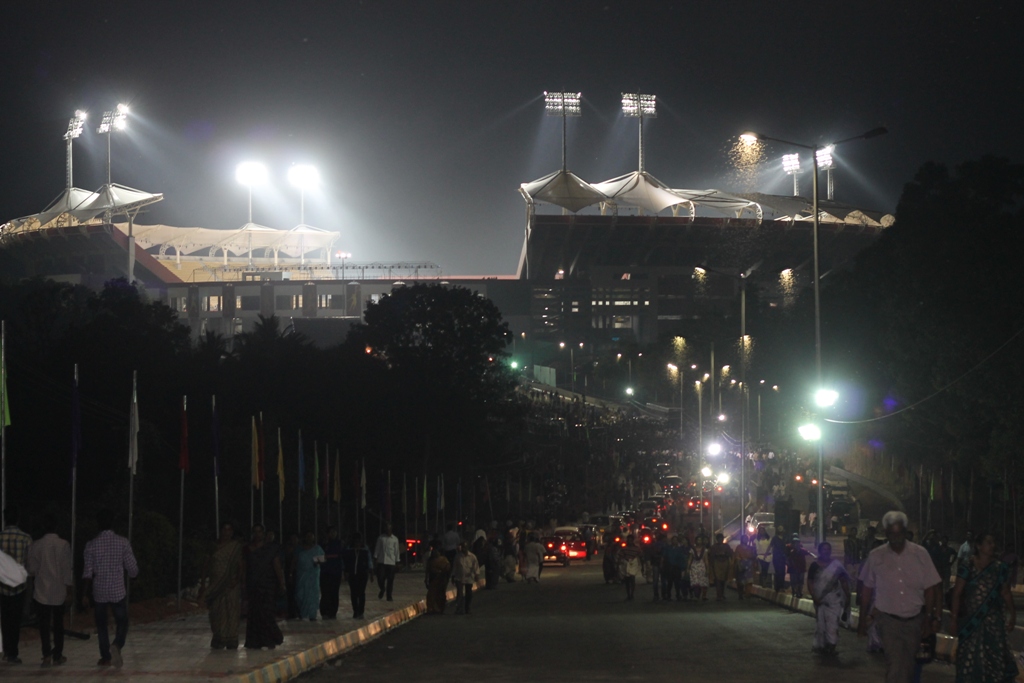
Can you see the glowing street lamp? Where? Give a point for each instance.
(714, 448)
(723, 478)
(640, 106)
(75, 127)
(629, 391)
(251, 173)
(564, 104)
(304, 177)
(825, 398)
(706, 471)
(810, 432)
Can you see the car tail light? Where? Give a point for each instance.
(665, 527)
(647, 539)
(551, 545)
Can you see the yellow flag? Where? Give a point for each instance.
(280, 467)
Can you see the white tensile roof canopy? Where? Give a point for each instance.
(295, 243)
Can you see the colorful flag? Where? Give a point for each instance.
(316, 472)
(216, 437)
(337, 477)
(183, 450)
(280, 467)
(133, 431)
(255, 455)
(302, 466)
(362, 487)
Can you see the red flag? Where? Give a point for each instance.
(183, 453)
(261, 453)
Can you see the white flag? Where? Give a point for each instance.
(133, 431)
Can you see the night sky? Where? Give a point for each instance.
(424, 117)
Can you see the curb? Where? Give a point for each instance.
(945, 645)
(301, 662)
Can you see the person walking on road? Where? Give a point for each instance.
(358, 570)
(981, 602)
(264, 578)
(224, 573)
(385, 558)
(764, 555)
(308, 559)
(796, 562)
(778, 553)
(49, 561)
(698, 570)
(450, 542)
(15, 543)
(107, 558)
(745, 557)
(438, 573)
(830, 591)
(720, 558)
(465, 575)
(629, 558)
(534, 556)
(902, 580)
(330, 575)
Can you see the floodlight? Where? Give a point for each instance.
(562, 103)
(115, 119)
(723, 478)
(75, 125)
(825, 397)
(251, 173)
(304, 177)
(706, 471)
(824, 157)
(749, 138)
(791, 163)
(639, 105)
(810, 432)
(714, 448)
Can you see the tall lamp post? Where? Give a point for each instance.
(249, 173)
(114, 120)
(303, 177)
(75, 127)
(678, 371)
(750, 139)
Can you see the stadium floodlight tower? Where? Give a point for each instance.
(826, 163)
(564, 104)
(640, 106)
(791, 165)
(304, 177)
(115, 119)
(251, 173)
(75, 127)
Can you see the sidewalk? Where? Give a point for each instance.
(178, 649)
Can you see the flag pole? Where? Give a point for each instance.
(316, 491)
(133, 458)
(75, 445)
(3, 424)
(216, 466)
(182, 465)
(405, 520)
(327, 481)
(255, 477)
(298, 489)
(280, 487)
(263, 474)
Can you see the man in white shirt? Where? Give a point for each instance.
(908, 601)
(385, 557)
(49, 561)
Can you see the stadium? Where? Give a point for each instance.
(628, 258)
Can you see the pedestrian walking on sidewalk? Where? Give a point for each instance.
(465, 576)
(107, 558)
(830, 590)
(15, 543)
(224, 574)
(264, 579)
(330, 575)
(438, 574)
(981, 603)
(385, 559)
(49, 561)
(902, 580)
(308, 559)
(358, 570)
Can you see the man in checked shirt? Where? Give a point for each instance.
(15, 543)
(107, 558)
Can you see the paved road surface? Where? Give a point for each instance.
(571, 627)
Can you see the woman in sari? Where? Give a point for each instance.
(263, 579)
(308, 558)
(830, 592)
(224, 574)
(697, 569)
(439, 571)
(981, 592)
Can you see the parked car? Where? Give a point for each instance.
(759, 519)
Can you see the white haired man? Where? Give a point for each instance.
(908, 601)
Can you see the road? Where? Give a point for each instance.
(572, 627)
